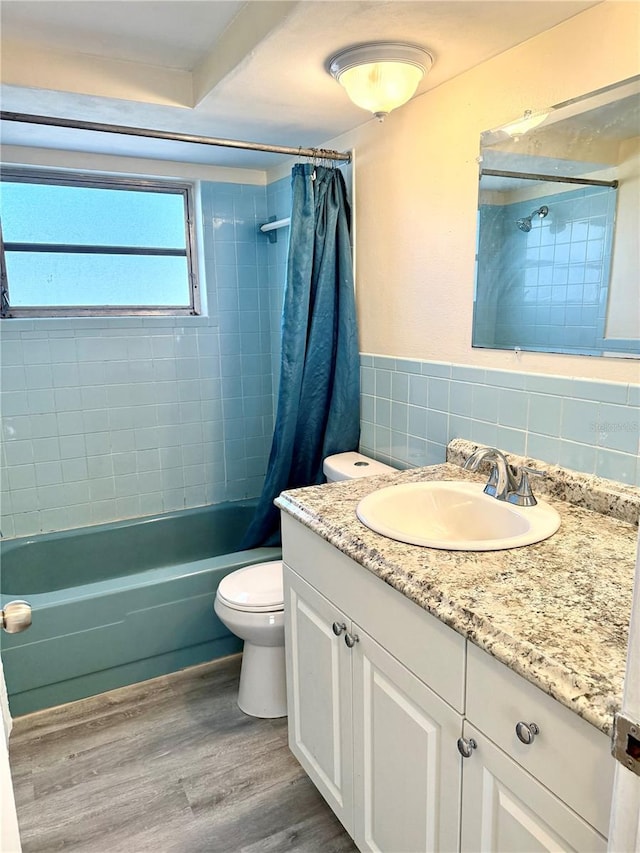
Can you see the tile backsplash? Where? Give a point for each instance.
(109, 418)
(411, 409)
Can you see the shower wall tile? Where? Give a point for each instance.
(109, 418)
(591, 426)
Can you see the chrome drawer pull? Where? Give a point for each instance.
(351, 639)
(527, 732)
(466, 746)
(338, 628)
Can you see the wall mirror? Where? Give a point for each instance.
(558, 244)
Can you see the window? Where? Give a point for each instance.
(85, 245)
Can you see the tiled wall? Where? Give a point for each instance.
(411, 409)
(120, 417)
(546, 289)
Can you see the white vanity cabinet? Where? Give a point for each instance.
(548, 788)
(377, 742)
(506, 810)
(379, 693)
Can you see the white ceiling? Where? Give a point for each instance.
(245, 70)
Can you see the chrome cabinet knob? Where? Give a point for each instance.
(338, 628)
(15, 617)
(351, 639)
(466, 746)
(527, 732)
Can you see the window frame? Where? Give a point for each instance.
(104, 181)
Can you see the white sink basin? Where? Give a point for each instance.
(455, 516)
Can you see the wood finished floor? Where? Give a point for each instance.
(170, 765)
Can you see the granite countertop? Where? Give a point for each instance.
(556, 612)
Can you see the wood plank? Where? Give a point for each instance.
(170, 764)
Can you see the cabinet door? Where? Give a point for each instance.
(406, 764)
(506, 810)
(319, 693)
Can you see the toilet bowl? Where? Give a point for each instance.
(250, 603)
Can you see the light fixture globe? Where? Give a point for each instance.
(380, 76)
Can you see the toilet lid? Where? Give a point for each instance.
(257, 587)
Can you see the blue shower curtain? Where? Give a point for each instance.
(318, 410)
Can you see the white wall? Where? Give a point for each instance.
(417, 181)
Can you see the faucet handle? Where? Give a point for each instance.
(523, 496)
(492, 483)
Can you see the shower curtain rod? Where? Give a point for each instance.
(498, 173)
(52, 121)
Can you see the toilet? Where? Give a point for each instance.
(250, 603)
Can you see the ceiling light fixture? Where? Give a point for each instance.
(380, 76)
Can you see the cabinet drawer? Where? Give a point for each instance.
(569, 755)
(427, 647)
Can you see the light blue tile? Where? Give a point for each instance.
(398, 449)
(407, 366)
(579, 421)
(382, 412)
(437, 426)
(484, 403)
(383, 383)
(367, 380)
(468, 374)
(98, 443)
(436, 453)
(417, 421)
(545, 414)
(459, 427)
(558, 386)
(71, 446)
(417, 451)
(418, 390)
(579, 457)
(400, 387)
(366, 360)
(619, 428)
(633, 398)
(38, 376)
(22, 476)
(543, 447)
(460, 398)
(382, 440)
(48, 473)
(513, 408)
(511, 440)
(484, 433)
(438, 394)
(37, 352)
(384, 362)
(70, 423)
(22, 500)
(506, 379)
(603, 392)
(621, 467)
(13, 378)
(399, 417)
(46, 449)
(438, 369)
(14, 403)
(367, 438)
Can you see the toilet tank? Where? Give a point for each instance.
(349, 466)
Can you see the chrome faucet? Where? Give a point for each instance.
(506, 482)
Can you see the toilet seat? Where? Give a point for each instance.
(254, 589)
